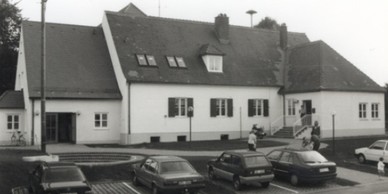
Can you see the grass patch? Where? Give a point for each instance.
(217, 145)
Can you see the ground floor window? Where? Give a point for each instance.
(12, 122)
(375, 110)
(180, 107)
(291, 107)
(221, 107)
(101, 120)
(362, 110)
(258, 107)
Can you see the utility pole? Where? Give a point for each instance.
(251, 12)
(43, 80)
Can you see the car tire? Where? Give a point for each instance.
(265, 184)
(135, 181)
(361, 158)
(211, 174)
(294, 180)
(155, 189)
(236, 183)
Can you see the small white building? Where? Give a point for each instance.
(138, 78)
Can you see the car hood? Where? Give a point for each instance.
(360, 150)
(64, 185)
(181, 175)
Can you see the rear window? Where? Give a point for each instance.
(312, 157)
(176, 167)
(256, 161)
(54, 175)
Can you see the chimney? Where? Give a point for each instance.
(222, 28)
(283, 37)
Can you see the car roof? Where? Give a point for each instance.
(245, 153)
(293, 150)
(58, 164)
(167, 158)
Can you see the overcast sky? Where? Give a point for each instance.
(357, 29)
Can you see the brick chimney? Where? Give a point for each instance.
(283, 42)
(222, 28)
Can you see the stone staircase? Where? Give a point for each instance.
(285, 132)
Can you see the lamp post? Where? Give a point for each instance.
(190, 110)
(333, 122)
(43, 80)
(251, 12)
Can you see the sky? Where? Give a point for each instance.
(357, 29)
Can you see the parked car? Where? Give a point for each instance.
(241, 168)
(168, 174)
(373, 152)
(301, 165)
(58, 177)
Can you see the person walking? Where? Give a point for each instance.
(316, 129)
(316, 142)
(380, 168)
(252, 141)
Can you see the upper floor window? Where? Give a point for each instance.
(258, 107)
(146, 60)
(213, 63)
(180, 107)
(174, 61)
(100, 120)
(375, 110)
(13, 122)
(291, 107)
(221, 107)
(362, 110)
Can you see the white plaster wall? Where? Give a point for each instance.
(121, 80)
(316, 102)
(149, 108)
(5, 134)
(86, 132)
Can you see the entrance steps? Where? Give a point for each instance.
(285, 132)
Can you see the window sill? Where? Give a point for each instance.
(364, 119)
(376, 119)
(101, 129)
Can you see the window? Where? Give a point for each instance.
(275, 155)
(180, 107)
(375, 110)
(146, 60)
(291, 107)
(221, 107)
(176, 62)
(378, 146)
(258, 107)
(362, 110)
(100, 120)
(13, 122)
(213, 63)
(286, 157)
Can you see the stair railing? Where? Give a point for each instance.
(304, 122)
(278, 124)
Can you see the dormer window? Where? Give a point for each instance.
(146, 60)
(180, 61)
(213, 63)
(174, 61)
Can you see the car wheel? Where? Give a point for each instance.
(294, 180)
(135, 181)
(265, 184)
(361, 158)
(155, 189)
(236, 183)
(211, 174)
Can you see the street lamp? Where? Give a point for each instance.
(251, 12)
(333, 122)
(190, 111)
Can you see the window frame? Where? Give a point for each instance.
(291, 110)
(176, 105)
(143, 61)
(375, 110)
(362, 110)
(13, 122)
(101, 120)
(149, 59)
(146, 60)
(214, 63)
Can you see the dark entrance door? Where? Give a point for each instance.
(60, 127)
(51, 128)
(308, 106)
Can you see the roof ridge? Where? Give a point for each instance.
(4, 94)
(60, 24)
(307, 44)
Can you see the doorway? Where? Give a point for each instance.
(308, 108)
(60, 127)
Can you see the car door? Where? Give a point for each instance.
(144, 173)
(36, 179)
(375, 151)
(274, 157)
(285, 164)
(221, 166)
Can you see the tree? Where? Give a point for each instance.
(10, 20)
(268, 23)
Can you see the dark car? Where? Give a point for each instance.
(241, 168)
(58, 177)
(168, 174)
(301, 165)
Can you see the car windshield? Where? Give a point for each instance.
(312, 157)
(256, 161)
(176, 167)
(64, 175)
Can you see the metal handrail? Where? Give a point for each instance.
(298, 123)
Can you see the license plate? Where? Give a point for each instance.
(184, 182)
(259, 171)
(69, 193)
(324, 170)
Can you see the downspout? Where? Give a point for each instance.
(283, 43)
(33, 123)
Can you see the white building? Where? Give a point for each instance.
(135, 78)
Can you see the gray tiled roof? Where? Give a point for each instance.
(12, 100)
(78, 62)
(316, 66)
(251, 58)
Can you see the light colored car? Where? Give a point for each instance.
(373, 153)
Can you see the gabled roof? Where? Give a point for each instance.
(209, 49)
(12, 100)
(78, 62)
(251, 58)
(132, 10)
(316, 66)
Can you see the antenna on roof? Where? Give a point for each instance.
(251, 12)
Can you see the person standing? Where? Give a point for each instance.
(316, 142)
(252, 141)
(380, 168)
(316, 129)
